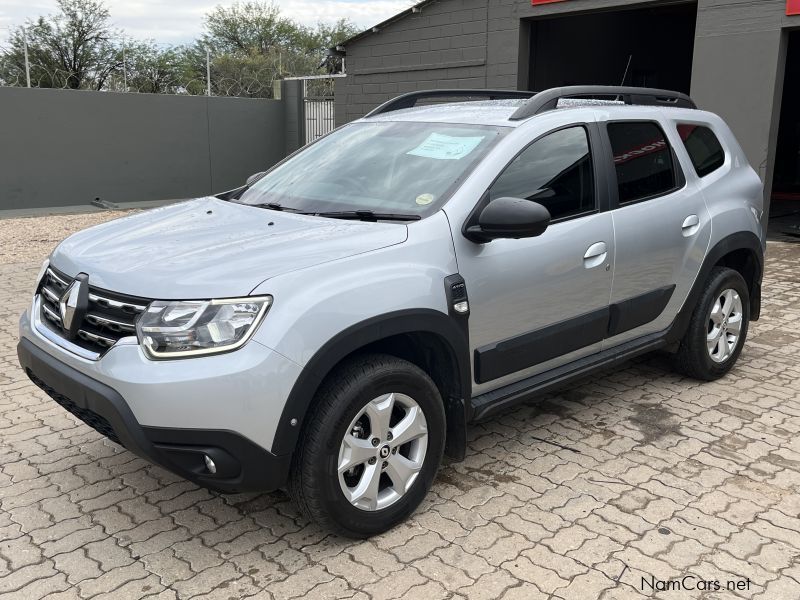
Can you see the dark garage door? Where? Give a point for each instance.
(595, 48)
(785, 206)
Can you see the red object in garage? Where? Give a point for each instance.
(792, 6)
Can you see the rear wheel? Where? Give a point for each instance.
(718, 327)
(371, 447)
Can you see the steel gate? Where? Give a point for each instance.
(319, 105)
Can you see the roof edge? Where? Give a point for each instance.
(399, 16)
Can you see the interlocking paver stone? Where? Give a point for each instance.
(661, 477)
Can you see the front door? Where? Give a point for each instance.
(540, 302)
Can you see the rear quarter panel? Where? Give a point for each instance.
(734, 193)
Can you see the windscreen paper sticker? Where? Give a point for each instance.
(445, 147)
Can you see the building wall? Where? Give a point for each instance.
(738, 65)
(449, 44)
(444, 46)
(66, 147)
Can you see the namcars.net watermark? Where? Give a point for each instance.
(691, 583)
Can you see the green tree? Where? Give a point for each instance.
(249, 27)
(253, 44)
(151, 70)
(73, 48)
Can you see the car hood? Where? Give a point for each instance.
(209, 248)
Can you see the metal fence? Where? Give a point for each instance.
(319, 105)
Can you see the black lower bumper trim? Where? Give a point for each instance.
(240, 464)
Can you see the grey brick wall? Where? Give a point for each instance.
(444, 46)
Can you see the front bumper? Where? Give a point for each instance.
(241, 464)
(243, 391)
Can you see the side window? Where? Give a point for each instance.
(703, 147)
(643, 160)
(555, 171)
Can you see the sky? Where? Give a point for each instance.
(178, 21)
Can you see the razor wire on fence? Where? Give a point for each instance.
(243, 84)
(171, 70)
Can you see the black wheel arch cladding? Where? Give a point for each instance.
(356, 337)
(745, 241)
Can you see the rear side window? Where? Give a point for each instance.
(703, 147)
(643, 160)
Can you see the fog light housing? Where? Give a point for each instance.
(210, 464)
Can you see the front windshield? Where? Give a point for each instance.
(386, 167)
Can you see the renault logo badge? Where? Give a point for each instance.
(73, 304)
(69, 303)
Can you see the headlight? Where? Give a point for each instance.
(175, 329)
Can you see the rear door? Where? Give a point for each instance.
(661, 227)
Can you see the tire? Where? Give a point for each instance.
(362, 384)
(695, 357)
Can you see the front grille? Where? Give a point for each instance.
(91, 418)
(110, 316)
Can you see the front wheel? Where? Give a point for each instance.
(371, 448)
(718, 327)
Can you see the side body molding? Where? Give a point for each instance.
(528, 349)
(489, 403)
(449, 329)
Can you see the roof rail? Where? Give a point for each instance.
(548, 99)
(410, 100)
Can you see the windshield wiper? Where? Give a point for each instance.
(368, 215)
(281, 208)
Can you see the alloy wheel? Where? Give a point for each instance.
(382, 452)
(724, 326)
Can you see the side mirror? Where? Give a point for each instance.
(254, 177)
(509, 218)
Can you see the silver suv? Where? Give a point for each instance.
(334, 325)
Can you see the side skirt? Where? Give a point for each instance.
(490, 403)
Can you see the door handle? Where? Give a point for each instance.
(690, 225)
(595, 255)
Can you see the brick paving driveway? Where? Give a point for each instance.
(629, 475)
